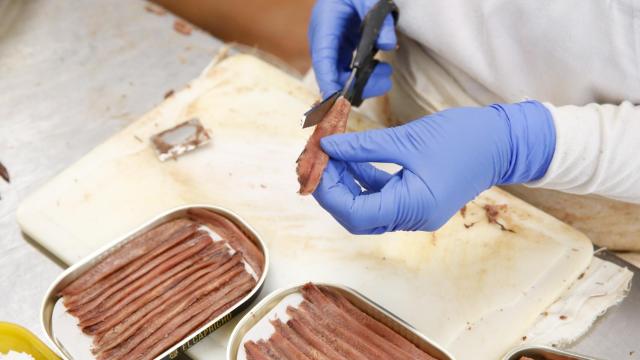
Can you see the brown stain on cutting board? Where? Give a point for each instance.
(609, 223)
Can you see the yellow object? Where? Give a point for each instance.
(16, 338)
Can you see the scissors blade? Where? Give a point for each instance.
(348, 89)
(317, 113)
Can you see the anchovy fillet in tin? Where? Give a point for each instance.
(159, 290)
(326, 321)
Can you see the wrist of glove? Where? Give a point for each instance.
(447, 159)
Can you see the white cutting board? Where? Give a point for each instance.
(475, 291)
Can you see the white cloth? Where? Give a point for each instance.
(602, 285)
(577, 56)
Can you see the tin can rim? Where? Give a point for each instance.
(522, 350)
(281, 292)
(50, 298)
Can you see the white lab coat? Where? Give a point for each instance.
(581, 58)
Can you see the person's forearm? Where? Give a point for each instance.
(597, 151)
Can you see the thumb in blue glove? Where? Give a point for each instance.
(334, 34)
(447, 159)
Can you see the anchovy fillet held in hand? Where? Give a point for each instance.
(313, 160)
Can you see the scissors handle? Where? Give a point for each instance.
(363, 61)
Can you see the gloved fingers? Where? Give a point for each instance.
(372, 231)
(405, 202)
(414, 201)
(333, 34)
(329, 21)
(369, 176)
(381, 145)
(368, 212)
(378, 84)
(376, 231)
(387, 40)
(325, 68)
(365, 213)
(333, 194)
(348, 179)
(338, 173)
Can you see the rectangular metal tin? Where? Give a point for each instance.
(77, 269)
(539, 352)
(369, 307)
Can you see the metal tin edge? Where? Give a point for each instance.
(543, 350)
(362, 302)
(71, 273)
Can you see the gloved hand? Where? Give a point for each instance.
(334, 34)
(447, 159)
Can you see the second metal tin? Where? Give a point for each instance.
(72, 273)
(538, 352)
(360, 301)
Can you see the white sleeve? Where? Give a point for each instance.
(596, 151)
(562, 52)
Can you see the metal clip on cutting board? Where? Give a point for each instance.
(362, 63)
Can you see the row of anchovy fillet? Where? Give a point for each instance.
(162, 285)
(326, 326)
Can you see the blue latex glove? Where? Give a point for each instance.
(334, 34)
(448, 158)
